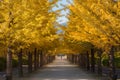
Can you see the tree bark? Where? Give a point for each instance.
(20, 68)
(80, 60)
(49, 58)
(112, 73)
(9, 65)
(41, 59)
(92, 61)
(44, 59)
(84, 60)
(72, 58)
(88, 61)
(35, 59)
(100, 62)
(38, 59)
(29, 62)
(69, 57)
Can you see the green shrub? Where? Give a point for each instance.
(105, 62)
(14, 62)
(117, 62)
(25, 61)
(2, 63)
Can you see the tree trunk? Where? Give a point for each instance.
(44, 59)
(69, 57)
(84, 60)
(20, 68)
(78, 59)
(112, 73)
(88, 61)
(41, 59)
(38, 59)
(49, 58)
(29, 62)
(72, 58)
(92, 61)
(100, 62)
(35, 59)
(80, 62)
(9, 65)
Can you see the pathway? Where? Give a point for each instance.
(61, 70)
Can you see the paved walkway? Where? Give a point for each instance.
(61, 70)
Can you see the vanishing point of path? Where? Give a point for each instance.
(60, 70)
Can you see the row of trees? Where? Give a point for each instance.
(35, 60)
(27, 25)
(94, 24)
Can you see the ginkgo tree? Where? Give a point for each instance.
(30, 25)
(26, 24)
(93, 22)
